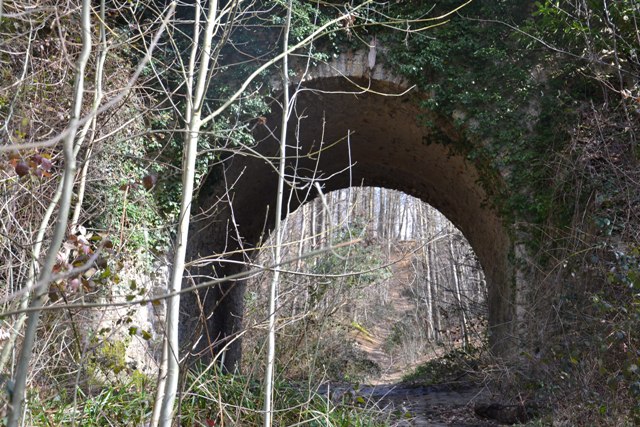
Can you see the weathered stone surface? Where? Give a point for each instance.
(135, 329)
(349, 65)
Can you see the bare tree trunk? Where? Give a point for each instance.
(314, 226)
(273, 294)
(40, 292)
(431, 334)
(302, 236)
(92, 123)
(325, 222)
(434, 287)
(429, 294)
(195, 102)
(401, 207)
(380, 213)
(372, 210)
(456, 281)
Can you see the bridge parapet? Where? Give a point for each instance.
(348, 65)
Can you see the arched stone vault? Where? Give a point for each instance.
(345, 137)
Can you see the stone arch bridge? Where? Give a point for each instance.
(354, 126)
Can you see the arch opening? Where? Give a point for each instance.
(407, 289)
(343, 138)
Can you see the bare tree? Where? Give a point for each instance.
(197, 83)
(455, 273)
(278, 230)
(66, 189)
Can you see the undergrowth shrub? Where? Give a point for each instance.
(593, 351)
(216, 399)
(210, 398)
(450, 370)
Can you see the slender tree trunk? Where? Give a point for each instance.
(380, 214)
(92, 123)
(314, 225)
(401, 208)
(40, 293)
(371, 218)
(273, 294)
(434, 287)
(302, 236)
(427, 278)
(195, 98)
(429, 294)
(456, 281)
(325, 215)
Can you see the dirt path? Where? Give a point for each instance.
(393, 368)
(408, 405)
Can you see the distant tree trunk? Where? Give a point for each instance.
(325, 221)
(314, 225)
(434, 287)
(426, 280)
(381, 214)
(372, 209)
(431, 334)
(302, 235)
(403, 211)
(361, 207)
(388, 219)
(333, 200)
(456, 281)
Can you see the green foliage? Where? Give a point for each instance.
(129, 212)
(617, 307)
(478, 76)
(122, 405)
(597, 23)
(163, 145)
(595, 356)
(111, 357)
(107, 367)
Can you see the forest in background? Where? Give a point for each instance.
(97, 101)
(413, 291)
